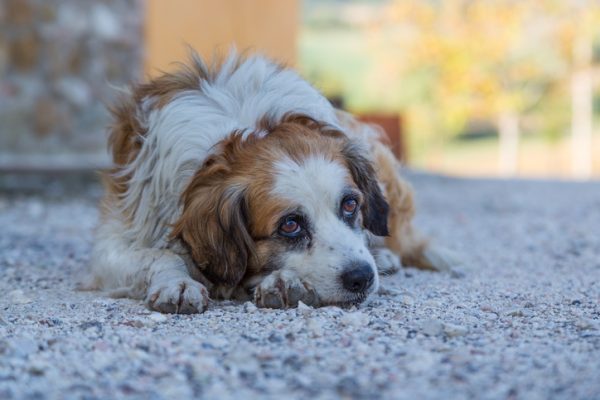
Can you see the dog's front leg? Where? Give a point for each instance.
(171, 289)
(387, 261)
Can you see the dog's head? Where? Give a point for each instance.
(300, 199)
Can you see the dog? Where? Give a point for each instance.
(239, 180)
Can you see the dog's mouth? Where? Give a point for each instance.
(347, 298)
(354, 299)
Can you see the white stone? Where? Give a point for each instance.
(18, 297)
(432, 327)
(432, 303)
(453, 330)
(355, 319)
(158, 317)
(585, 323)
(304, 309)
(250, 307)
(407, 300)
(36, 209)
(23, 346)
(315, 326)
(419, 361)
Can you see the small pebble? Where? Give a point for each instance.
(158, 318)
(389, 291)
(452, 330)
(18, 297)
(432, 303)
(250, 307)
(38, 367)
(487, 309)
(304, 309)
(315, 326)
(36, 209)
(348, 387)
(584, 323)
(355, 319)
(515, 313)
(23, 346)
(274, 337)
(432, 327)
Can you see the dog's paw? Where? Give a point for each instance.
(387, 261)
(178, 296)
(283, 290)
(444, 260)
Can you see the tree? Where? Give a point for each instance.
(577, 45)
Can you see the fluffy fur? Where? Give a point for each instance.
(212, 166)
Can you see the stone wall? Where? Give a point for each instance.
(60, 61)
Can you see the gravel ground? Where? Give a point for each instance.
(522, 322)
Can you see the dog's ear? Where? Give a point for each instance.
(214, 225)
(375, 210)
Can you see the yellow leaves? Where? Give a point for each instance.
(422, 13)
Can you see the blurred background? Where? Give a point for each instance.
(468, 88)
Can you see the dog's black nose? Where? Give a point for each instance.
(358, 277)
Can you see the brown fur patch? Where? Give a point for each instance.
(375, 208)
(403, 239)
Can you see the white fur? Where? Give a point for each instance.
(316, 182)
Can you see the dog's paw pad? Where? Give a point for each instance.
(181, 296)
(271, 298)
(387, 261)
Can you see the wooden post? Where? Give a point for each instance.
(267, 26)
(392, 125)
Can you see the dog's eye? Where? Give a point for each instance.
(290, 227)
(349, 207)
